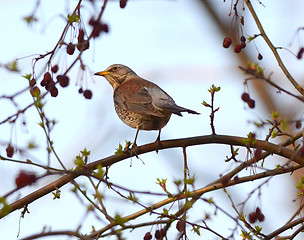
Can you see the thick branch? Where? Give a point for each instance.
(184, 142)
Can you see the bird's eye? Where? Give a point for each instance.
(114, 68)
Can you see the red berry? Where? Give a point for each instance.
(157, 234)
(243, 45)
(82, 46)
(258, 153)
(50, 85)
(148, 236)
(245, 97)
(162, 233)
(300, 53)
(80, 36)
(261, 217)
(260, 56)
(80, 90)
(252, 217)
(258, 211)
(87, 94)
(54, 69)
(70, 49)
(54, 92)
(47, 78)
(32, 82)
(63, 80)
(227, 42)
(9, 151)
(181, 225)
(123, 3)
(243, 39)
(251, 103)
(24, 179)
(298, 124)
(35, 91)
(237, 48)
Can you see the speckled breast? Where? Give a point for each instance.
(142, 121)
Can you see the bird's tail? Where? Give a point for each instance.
(178, 109)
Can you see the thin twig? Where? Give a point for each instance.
(273, 48)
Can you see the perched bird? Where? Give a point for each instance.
(139, 103)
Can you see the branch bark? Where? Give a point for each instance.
(183, 142)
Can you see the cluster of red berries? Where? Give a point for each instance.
(82, 44)
(86, 93)
(25, 178)
(50, 84)
(257, 215)
(246, 98)
(98, 27)
(238, 47)
(159, 234)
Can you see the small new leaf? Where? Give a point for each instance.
(196, 230)
(79, 161)
(165, 212)
(119, 220)
(189, 181)
(214, 89)
(275, 115)
(30, 19)
(85, 152)
(132, 197)
(250, 139)
(258, 229)
(98, 173)
(12, 66)
(119, 150)
(73, 18)
(56, 194)
(28, 76)
(206, 104)
(274, 134)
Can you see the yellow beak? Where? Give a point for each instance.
(102, 73)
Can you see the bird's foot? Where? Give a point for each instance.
(134, 150)
(159, 145)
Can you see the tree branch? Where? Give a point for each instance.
(273, 48)
(200, 140)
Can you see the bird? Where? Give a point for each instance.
(139, 103)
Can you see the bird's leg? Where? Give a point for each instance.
(158, 141)
(134, 145)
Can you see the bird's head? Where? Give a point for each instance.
(116, 74)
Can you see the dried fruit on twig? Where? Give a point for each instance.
(70, 49)
(237, 48)
(227, 42)
(24, 179)
(87, 94)
(9, 151)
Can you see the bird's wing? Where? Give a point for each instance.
(135, 98)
